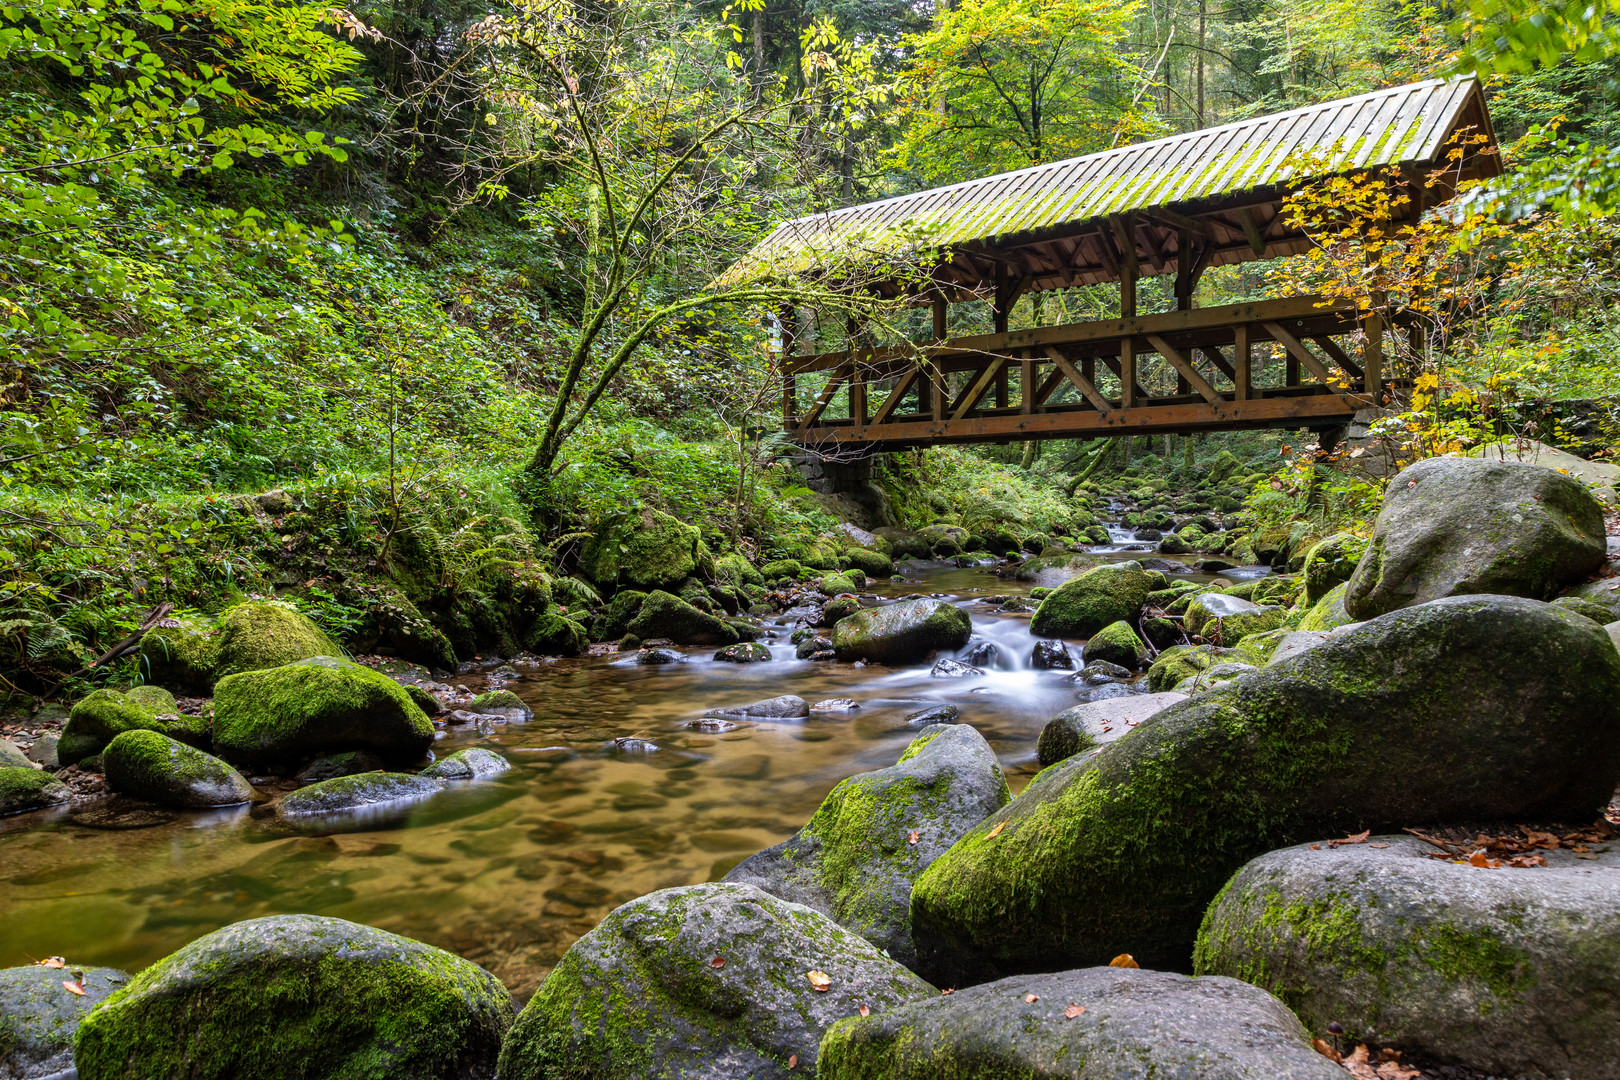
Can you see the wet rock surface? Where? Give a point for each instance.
(39, 1015)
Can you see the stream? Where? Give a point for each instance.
(509, 872)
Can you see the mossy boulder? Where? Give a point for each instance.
(903, 544)
(874, 564)
(24, 789)
(554, 634)
(1510, 972)
(1604, 593)
(1227, 619)
(1212, 677)
(348, 763)
(617, 616)
(856, 859)
(299, 995)
(1414, 716)
(151, 766)
(38, 1017)
(1328, 612)
(837, 584)
(103, 714)
(642, 549)
(12, 757)
(835, 611)
(1132, 1024)
(1584, 607)
(662, 615)
(902, 633)
(181, 652)
(1257, 649)
(1180, 661)
(262, 634)
(1095, 723)
(501, 702)
(782, 569)
(1329, 562)
(356, 792)
(744, 652)
(707, 982)
(733, 569)
(1455, 526)
(284, 716)
(1086, 604)
(473, 763)
(1116, 643)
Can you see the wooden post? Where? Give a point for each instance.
(1026, 386)
(938, 405)
(1240, 362)
(1127, 293)
(1002, 388)
(857, 399)
(789, 319)
(1000, 307)
(1127, 373)
(1372, 357)
(939, 318)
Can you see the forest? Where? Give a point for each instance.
(392, 428)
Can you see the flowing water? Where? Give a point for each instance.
(509, 872)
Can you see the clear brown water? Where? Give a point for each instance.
(509, 872)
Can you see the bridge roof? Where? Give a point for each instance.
(1065, 223)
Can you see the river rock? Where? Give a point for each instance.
(1329, 562)
(744, 652)
(103, 714)
(857, 858)
(836, 704)
(947, 668)
(815, 647)
(283, 716)
(501, 703)
(1116, 643)
(1605, 593)
(474, 763)
(23, 789)
(182, 653)
(706, 982)
(1084, 605)
(347, 763)
(1509, 971)
(151, 766)
(1083, 727)
(1412, 717)
(1214, 676)
(1329, 613)
(872, 563)
(260, 634)
(1179, 661)
(375, 789)
(299, 995)
(663, 615)
(1452, 526)
(982, 654)
(38, 1016)
(654, 656)
(786, 707)
(939, 714)
(642, 548)
(1132, 1024)
(1051, 656)
(902, 633)
(1098, 672)
(13, 758)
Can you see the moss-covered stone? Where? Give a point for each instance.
(38, 1017)
(1329, 562)
(642, 549)
(1179, 661)
(299, 995)
(837, 584)
(1214, 676)
(858, 856)
(1257, 648)
(284, 716)
(1224, 619)
(1086, 604)
(733, 569)
(873, 564)
(1329, 612)
(616, 617)
(557, 635)
(358, 791)
(744, 652)
(782, 569)
(151, 766)
(834, 611)
(182, 653)
(1586, 608)
(1605, 593)
(664, 616)
(473, 763)
(23, 789)
(1116, 643)
(707, 982)
(103, 714)
(902, 633)
(348, 763)
(260, 634)
(503, 702)
(1410, 717)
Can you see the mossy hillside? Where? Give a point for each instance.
(299, 995)
(643, 548)
(1084, 605)
(1411, 717)
(28, 789)
(263, 634)
(103, 714)
(662, 615)
(284, 716)
(149, 765)
(184, 655)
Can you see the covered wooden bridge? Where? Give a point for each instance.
(1175, 206)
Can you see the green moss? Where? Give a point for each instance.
(782, 569)
(149, 765)
(643, 549)
(1116, 643)
(1180, 661)
(262, 634)
(664, 616)
(871, 563)
(557, 635)
(1084, 605)
(615, 618)
(1328, 612)
(836, 584)
(1330, 562)
(28, 789)
(1257, 648)
(185, 655)
(491, 700)
(103, 714)
(732, 569)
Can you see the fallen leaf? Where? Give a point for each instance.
(1353, 838)
(1316, 847)
(1584, 855)
(793, 1061)
(913, 838)
(995, 832)
(1030, 999)
(1358, 1066)
(866, 1010)
(819, 981)
(1527, 861)
(718, 962)
(1124, 960)
(1378, 845)
(52, 962)
(1327, 1051)
(73, 986)
(1479, 859)
(942, 993)
(1073, 1011)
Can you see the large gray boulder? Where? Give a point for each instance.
(1465, 709)
(373, 790)
(299, 995)
(1511, 971)
(1454, 526)
(1085, 727)
(902, 633)
(707, 981)
(38, 1016)
(151, 766)
(857, 858)
(1084, 605)
(1125, 1023)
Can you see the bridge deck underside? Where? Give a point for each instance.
(1295, 363)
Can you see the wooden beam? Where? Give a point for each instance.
(1083, 384)
(936, 395)
(1026, 385)
(1241, 378)
(1338, 356)
(1127, 373)
(1251, 231)
(1182, 221)
(1125, 236)
(1048, 384)
(890, 403)
(976, 389)
(827, 392)
(1215, 357)
(857, 400)
(1185, 367)
(1299, 352)
(940, 313)
(1155, 248)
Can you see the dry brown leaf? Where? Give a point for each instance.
(1353, 838)
(1030, 999)
(1378, 845)
(718, 962)
(1327, 1051)
(819, 981)
(52, 962)
(1357, 1064)
(1073, 1011)
(1124, 960)
(913, 838)
(995, 832)
(73, 986)
(793, 1061)
(1480, 860)
(952, 990)
(866, 1010)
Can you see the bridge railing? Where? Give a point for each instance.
(961, 390)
